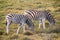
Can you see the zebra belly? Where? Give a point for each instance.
(15, 20)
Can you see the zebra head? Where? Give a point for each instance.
(30, 24)
(50, 18)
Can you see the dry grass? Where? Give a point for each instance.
(18, 6)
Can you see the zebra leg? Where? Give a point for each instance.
(18, 29)
(8, 24)
(23, 26)
(40, 23)
(43, 21)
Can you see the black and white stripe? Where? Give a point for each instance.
(40, 15)
(20, 19)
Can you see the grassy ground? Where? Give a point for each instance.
(18, 6)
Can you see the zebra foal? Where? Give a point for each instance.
(41, 16)
(20, 19)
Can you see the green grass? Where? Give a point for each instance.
(18, 6)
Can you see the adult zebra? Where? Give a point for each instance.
(20, 19)
(41, 16)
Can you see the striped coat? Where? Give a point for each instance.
(19, 19)
(40, 15)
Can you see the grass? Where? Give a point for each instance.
(19, 6)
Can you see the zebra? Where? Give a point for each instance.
(40, 15)
(18, 19)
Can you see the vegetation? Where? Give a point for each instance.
(18, 6)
